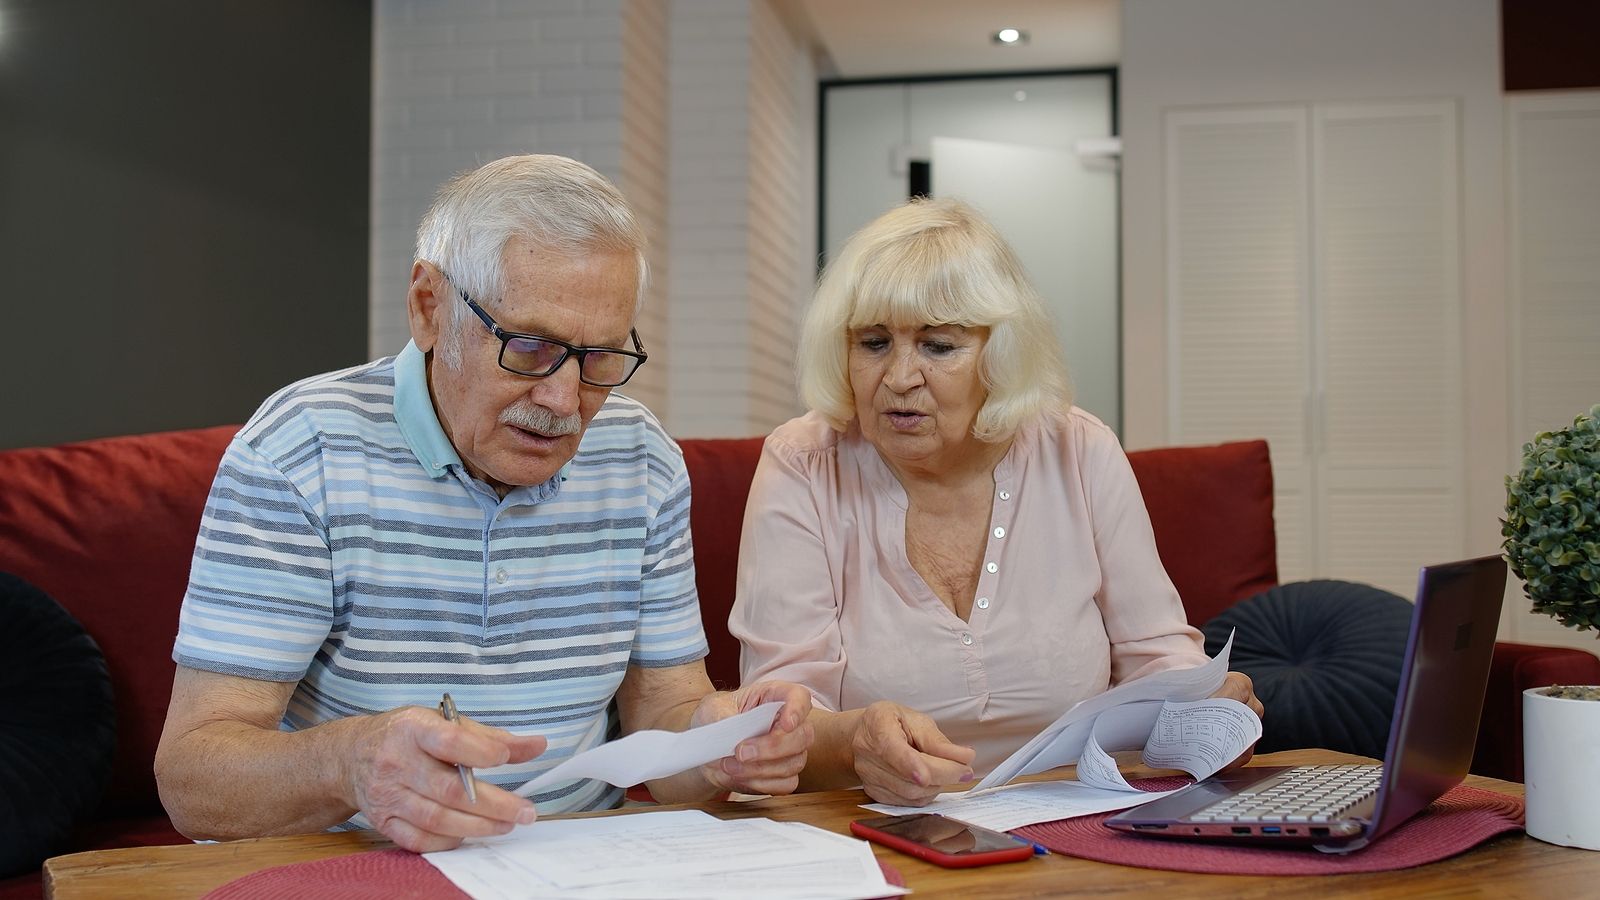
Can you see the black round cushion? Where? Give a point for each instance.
(57, 725)
(1325, 658)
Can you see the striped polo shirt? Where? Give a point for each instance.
(345, 547)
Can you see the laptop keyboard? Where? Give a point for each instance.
(1309, 794)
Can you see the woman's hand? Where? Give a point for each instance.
(1237, 686)
(769, 763)
(903, 758)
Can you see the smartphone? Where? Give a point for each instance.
(943, 842)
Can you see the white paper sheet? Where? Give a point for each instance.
(1016, 805)
(1063, 741)
(669, 850)
(666, 855)
(644, 755)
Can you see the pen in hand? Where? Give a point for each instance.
(447, 708)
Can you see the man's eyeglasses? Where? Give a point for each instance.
(536, 356)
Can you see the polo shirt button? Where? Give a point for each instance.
(501, 576)
(999, 532)
(991, 568)
(966, 638)
(1005, 495)
(983, 602)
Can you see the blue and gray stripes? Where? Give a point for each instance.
(329, 555)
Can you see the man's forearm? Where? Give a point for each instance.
(688, 786)
(228, 780)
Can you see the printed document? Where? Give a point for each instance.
(1170, 714)
(677, 854)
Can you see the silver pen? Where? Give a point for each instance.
(447, 708)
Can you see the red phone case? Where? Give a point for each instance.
(949, 861)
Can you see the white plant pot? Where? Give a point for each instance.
(1560, 744)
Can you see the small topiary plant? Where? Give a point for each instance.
(1552, 523)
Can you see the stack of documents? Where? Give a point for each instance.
(1170, 714)
(678, 854)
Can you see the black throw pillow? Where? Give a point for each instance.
(57, 725)
(1325, 658)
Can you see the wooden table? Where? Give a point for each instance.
(1512, 865)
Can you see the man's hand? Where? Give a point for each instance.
(903, 758)
(770, 763)
(402, 774)
(1237, 686)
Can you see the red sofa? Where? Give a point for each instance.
(106, 527)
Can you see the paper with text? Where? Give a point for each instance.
(670, 855)
(644, 755)
(1198, 737)
(1063, 741)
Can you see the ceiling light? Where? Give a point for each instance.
(1011, 37)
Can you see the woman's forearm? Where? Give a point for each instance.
(831, 763)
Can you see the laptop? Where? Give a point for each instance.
(1338, 809)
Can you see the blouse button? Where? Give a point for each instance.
(501, 576)
(999, 532)
(1005, 495)
(991, 568)
(966, 638)
(983, 602)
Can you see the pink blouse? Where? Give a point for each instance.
(1071, 598)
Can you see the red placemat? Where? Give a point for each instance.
(1460, 820)
(374, 875)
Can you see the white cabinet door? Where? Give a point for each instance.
(1238, 294)
(1314, 300)
(1555, 287)
(1387, 342)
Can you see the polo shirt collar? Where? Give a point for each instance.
(413, 412)
(419, 424)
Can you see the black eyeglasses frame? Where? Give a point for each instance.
(570, 350)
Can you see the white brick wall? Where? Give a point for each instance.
(458, 84)
(643, 56)
(782, 203)
(709, 174)
(701, 111)
(743, 133)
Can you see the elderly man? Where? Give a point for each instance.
(479, 515)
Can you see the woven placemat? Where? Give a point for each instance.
(1460, 820)
(373, 875)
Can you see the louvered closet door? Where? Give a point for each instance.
(1237, 288)
(1386, 295)
(1555, 284)
(1314, 300)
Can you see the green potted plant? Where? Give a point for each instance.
(1552, 532)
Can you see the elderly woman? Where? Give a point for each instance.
(944, 550)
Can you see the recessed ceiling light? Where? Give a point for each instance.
(1011, 37)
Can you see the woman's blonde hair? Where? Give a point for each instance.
(935, 262)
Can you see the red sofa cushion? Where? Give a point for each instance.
(1211, 508)
(720, 470)
(1516, 668)
(65, 526)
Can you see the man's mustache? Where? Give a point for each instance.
(533, 417)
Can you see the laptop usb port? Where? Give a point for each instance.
(1317, 831)
(1270, 829)
(1142, 826)
(1241, 829)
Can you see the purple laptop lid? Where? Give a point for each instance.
(1440, 696)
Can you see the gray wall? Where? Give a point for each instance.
(183, 208)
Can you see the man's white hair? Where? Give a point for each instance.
(556, 203)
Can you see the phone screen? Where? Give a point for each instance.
(944, 835)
